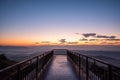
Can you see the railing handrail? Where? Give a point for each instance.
(93, 68)
(25, 68)
(26, 60)
(101, 61)
(59, 49)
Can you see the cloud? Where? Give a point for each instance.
(113, 39)
(83, 39)
(93, 39)
(95, 35)
(72, 42)
(45, 42)
(105, 36)
(110, 43)
(89, 34)
(62, 40)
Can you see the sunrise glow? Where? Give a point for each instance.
(37, 23)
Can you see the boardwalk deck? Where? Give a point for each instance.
(60, 69)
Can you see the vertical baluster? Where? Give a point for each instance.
(37, 67)
(87, 73)
(79, 63)
(110, 72)
(18, 72)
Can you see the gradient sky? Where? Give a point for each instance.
(33, 22)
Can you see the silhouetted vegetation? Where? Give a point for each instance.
(5, 62)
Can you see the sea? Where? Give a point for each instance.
(110, 54)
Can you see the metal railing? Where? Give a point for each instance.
(29, 69)
(90, 68)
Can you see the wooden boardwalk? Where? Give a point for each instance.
(60, 69)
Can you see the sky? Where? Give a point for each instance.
(59, 22)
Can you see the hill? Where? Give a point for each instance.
(5, 62)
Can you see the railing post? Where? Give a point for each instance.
(109, 72)
(37, 67)
(87, 74)
(79, 64)
(18, 72)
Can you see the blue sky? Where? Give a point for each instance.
(41, 20)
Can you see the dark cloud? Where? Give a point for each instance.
(93, 39)
(86, 35)
(105, 36)
(103, 43)
(113, 39)
(62, 40)
(83, 39)
(72, 42)
(89, 34)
